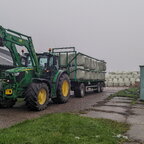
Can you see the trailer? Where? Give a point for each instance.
(85, 72)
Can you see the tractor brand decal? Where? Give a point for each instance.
(27, 69)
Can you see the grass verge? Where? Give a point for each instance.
(64, 128)
(132, 93)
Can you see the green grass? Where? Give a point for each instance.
(131, 93)
(64, 128)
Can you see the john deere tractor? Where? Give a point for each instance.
(36, 77)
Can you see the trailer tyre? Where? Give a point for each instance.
(98, 90)
(63, 89)
(80, 91)
(37, 96)
(101, 87)
(7, 103)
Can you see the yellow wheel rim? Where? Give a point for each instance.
(65, 88)
(42, 96)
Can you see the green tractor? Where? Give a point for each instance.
(36, 77)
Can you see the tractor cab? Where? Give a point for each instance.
(48, 63)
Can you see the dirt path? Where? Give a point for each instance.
(19, 113)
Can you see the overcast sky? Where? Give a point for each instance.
(112, 30)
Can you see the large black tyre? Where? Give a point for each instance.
(101, 87)
(37, 96)
(80, 91)
(98, 90)
(63, 89)
(7, 103)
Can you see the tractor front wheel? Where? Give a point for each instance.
(63, 89)
(37, 96)
(7, 103)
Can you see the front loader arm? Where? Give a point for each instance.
(10, 39)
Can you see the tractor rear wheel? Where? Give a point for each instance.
(63, 90)
(37, 96)
(7, 103)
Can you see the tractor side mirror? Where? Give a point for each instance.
(1, 42)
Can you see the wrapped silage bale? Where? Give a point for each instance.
(135, 72)
(96, 75)
(127, 82)
(104, 66)
(135, 76)
(132, 81)
(107, 76)
(138, 76)
(110, 83)
(129, 76)
(115, 82)
(100, 66)
(92, 66)
(117, 76)
(113, 76)
(121, 82)
(87, 62)
(87, 75)
(101, 76)
(137, 80)
(92, 75)
(63, 61)
(80, 59)
(80, 73)
(124, 76)
(95, 64)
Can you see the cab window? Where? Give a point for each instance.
(43, 61)
(29, 62)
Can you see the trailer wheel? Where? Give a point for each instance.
(7, 103)
(63, 90)
(98, 90)
(101, 87)
(37, 96)
(80, 91)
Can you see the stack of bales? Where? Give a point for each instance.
(87, 68)
(121, 79)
